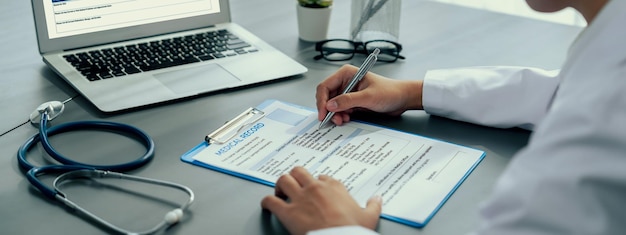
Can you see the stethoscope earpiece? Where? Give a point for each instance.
(52, 108)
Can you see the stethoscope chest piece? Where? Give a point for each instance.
(52, 108)
(172, 217)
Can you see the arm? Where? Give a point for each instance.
(493, 96)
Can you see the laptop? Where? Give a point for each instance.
(127, 54)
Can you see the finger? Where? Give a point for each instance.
(352, 100)
(340, 79)
(273, 204)
(301, 175)
(345, 117)
(331, 87)
(324, 177)
(286, 186)
(374, 206)
(321, 97)
(330, 180)
(338, 119)
(280, 194)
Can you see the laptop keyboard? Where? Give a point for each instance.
(136, 58)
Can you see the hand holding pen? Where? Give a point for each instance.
(363, 69)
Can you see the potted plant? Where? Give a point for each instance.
(313, 19)
(315, 3)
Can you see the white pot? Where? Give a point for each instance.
(313, 23)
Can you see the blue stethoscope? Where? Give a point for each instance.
(70, 169)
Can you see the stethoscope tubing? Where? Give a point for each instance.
(69, 165)
(70, 169)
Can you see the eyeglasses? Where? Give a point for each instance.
(342, 49)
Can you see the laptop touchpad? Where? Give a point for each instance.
(199, 79)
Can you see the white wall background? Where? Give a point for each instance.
(519, 7)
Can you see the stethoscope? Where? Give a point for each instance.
(69, 169)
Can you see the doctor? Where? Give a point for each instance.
(570, 178)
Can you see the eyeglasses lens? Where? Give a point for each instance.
(388, 51)
(338, 50)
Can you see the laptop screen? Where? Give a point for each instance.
(74, 17)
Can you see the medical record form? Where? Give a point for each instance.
(414, 175)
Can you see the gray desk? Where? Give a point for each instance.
(434, 36)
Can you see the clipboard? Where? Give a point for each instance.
(231, 128)
(223, 134)
(226, 148)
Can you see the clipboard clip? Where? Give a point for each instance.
(234, 126)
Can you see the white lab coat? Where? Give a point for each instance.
(571, 177)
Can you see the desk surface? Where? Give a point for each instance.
(434, 36)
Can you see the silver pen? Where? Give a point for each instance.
(365, 67)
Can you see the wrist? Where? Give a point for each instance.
(413, 90)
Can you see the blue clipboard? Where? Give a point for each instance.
(249, 115)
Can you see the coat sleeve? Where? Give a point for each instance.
(502, 97)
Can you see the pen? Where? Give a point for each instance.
(365, 67)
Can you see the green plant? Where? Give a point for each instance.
(315, 3)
